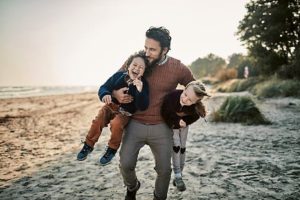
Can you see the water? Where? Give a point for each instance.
(30, 91)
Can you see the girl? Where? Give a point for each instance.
(181, 108)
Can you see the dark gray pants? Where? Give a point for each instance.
(159, 139)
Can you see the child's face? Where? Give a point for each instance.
(188, 97)
(136, 68)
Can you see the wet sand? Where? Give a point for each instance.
(40, 137)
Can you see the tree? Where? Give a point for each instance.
(270, 30)
(207, 66)
(235, 60)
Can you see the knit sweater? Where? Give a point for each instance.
(163, 79)
(172, 111)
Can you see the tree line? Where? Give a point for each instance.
(270, 31)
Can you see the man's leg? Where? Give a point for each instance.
(133, 140)
(161, 142)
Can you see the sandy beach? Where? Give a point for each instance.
(40, 137)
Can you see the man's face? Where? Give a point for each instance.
(153, 50)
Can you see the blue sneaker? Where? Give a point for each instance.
(86, 149)
(108, 156)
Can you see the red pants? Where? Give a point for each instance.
(108, 114)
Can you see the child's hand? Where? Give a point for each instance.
(138, 84)
(106, 99)
(182, 123)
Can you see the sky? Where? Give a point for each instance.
(79, 42)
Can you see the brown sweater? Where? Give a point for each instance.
(163, 79)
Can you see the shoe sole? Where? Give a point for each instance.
(105, 163)
(180, 189)
(82, 159)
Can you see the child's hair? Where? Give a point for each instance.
(139, 54)
(200, 91)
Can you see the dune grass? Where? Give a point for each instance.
(262, 87)
(277, 88)
(240, 109)
(238, 85)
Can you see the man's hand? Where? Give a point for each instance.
(121, 95)
(106, 99)
(182, 123)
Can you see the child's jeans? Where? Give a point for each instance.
(179, 142)
(106, 114)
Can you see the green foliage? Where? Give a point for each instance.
(250, 63)
(235, 60)
(277, 88)
(240, 109)
(207, 66)
(270, 30)
(238, 85)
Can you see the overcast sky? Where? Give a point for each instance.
(83, 42)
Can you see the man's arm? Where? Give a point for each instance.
(121, 95)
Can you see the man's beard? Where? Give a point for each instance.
(156, 61)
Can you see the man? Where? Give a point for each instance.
(147, 127)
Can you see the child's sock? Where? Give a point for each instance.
(178, 175)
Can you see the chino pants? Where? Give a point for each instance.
(179, 146)
(159, 139)
(108, 114)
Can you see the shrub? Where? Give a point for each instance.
(277, 88)
(240, 109)
(226, 74)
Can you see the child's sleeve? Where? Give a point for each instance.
(142, 98)
(168, 112)
(108, 86)
(189, 119)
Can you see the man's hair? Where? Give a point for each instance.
(160, 34)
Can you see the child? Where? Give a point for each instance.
(137, 87)
(181, 108)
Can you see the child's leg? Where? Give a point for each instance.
(105, 114)
(176, 152)
(117, 126)
(183, 137)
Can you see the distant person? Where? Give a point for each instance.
(181, 108)
(147, 127)
(246, 72)
(135, 85)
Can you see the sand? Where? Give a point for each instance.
(40, 137)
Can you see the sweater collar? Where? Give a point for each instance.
(163, 61)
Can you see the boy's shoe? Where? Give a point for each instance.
(178, 182)
(130, 195)
(108, 156)
(86, 149)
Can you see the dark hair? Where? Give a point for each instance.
(160, 34)
(139, 54)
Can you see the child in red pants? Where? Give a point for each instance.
(112, 110)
